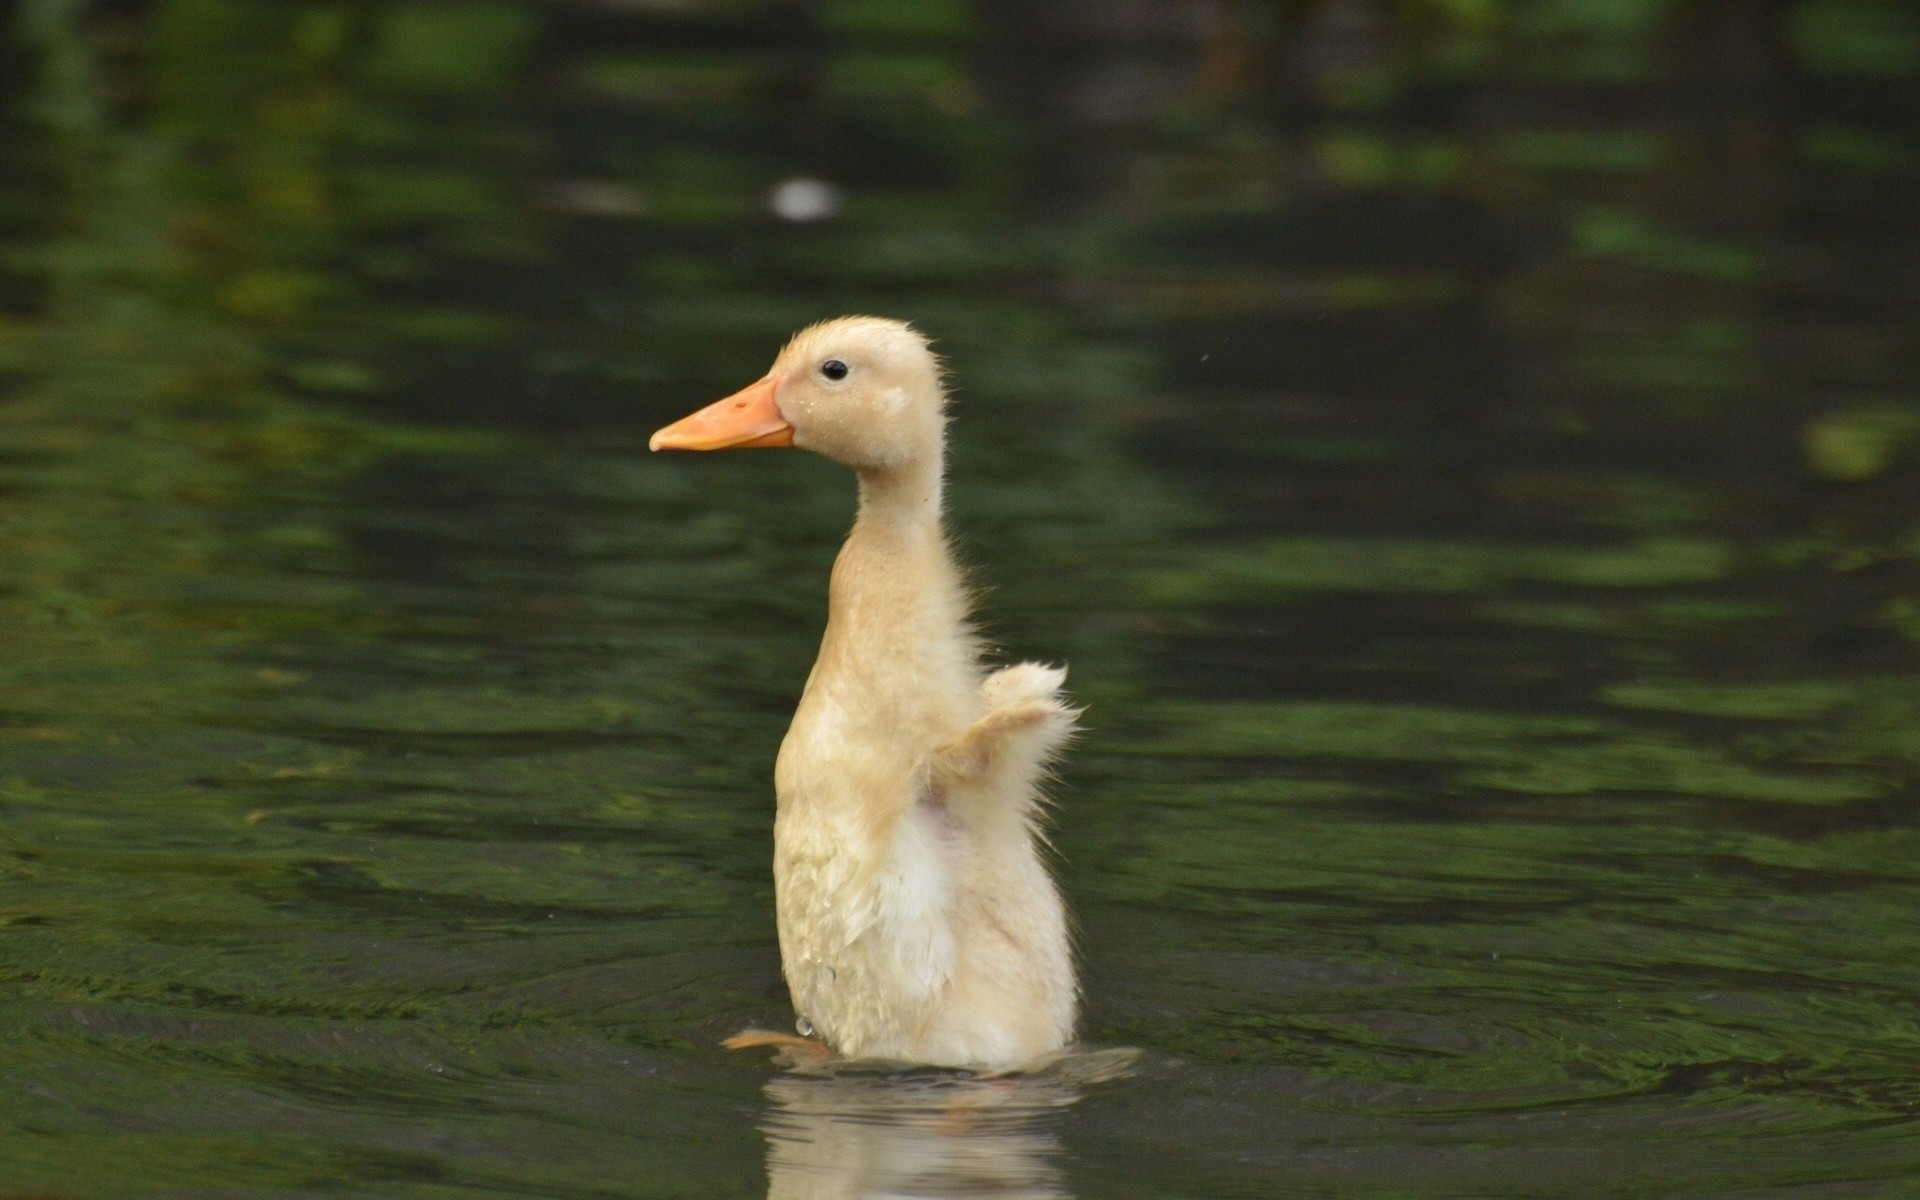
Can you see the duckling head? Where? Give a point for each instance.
(862, 391)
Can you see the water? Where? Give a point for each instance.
(1468, 459)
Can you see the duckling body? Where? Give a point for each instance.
(917, 918)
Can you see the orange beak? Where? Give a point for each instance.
(745, 420)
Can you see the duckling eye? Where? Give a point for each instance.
(834, 369)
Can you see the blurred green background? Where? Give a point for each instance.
(1467, 451)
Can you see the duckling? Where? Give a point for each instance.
(917, 918)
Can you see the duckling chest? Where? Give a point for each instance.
(865, 923)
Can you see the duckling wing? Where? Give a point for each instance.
(998, 763)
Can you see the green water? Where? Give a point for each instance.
(1469, 454)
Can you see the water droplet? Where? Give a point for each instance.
(804, 1026)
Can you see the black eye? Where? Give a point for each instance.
(834, 369)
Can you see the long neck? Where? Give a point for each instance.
(901, 498)
(897, 633)
(896, 575)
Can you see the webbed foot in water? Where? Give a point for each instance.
(792, 1049)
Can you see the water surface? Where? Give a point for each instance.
(1467, 457)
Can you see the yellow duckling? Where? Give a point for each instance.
(917, 920)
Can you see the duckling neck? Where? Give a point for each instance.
(901, 498)
(897, 641)
(896, 575)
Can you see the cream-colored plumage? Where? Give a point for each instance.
(917, 919)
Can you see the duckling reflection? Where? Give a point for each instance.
(852, 1130)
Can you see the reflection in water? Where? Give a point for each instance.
(854, 1131)
(853, 1136)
